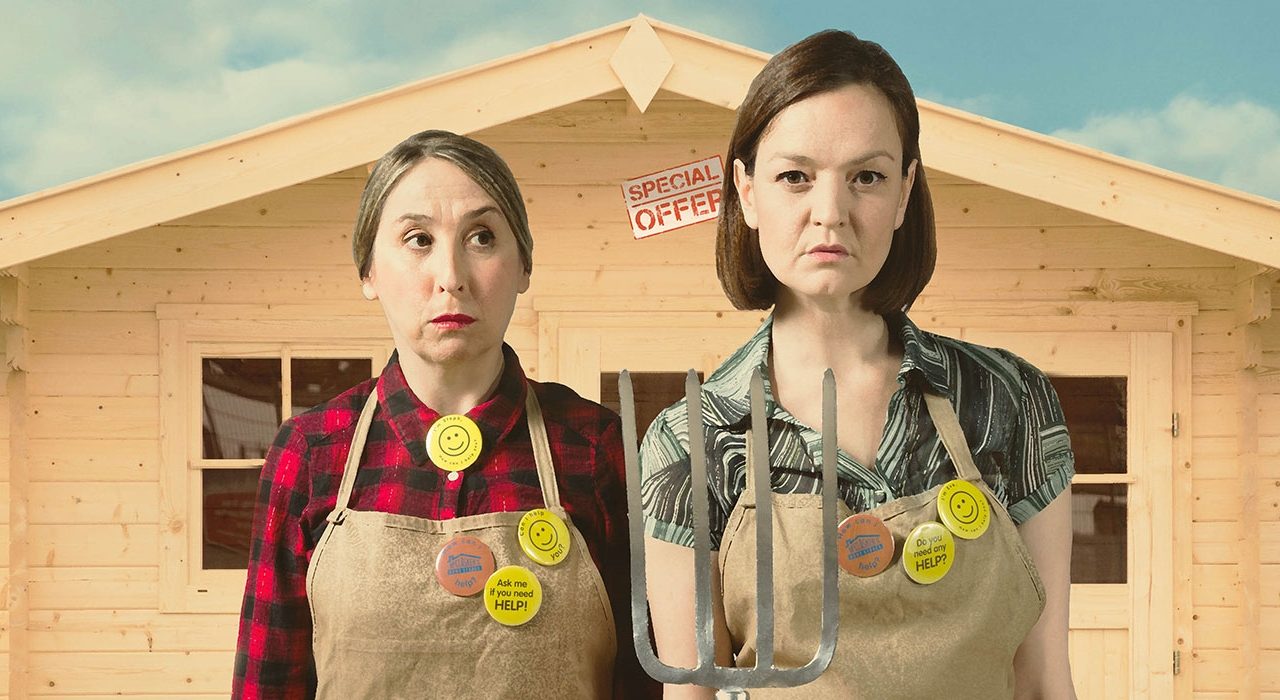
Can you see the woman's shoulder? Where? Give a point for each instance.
(334, 420)
(562, 405)
(969, 363)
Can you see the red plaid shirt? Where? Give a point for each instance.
(299, 488)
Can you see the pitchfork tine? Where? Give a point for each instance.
(707, 673)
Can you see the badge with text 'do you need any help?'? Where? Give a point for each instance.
(928, 552)
(543, 537)
(864, 545)
(512, 595)
(674, 198)
(463, 565)
(963, 509)
(454, 442)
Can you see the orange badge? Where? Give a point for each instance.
(864, 545)
(463, 565)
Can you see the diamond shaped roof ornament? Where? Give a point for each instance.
(641, 62)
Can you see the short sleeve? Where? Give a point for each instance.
(1041, 462)
(665, 480)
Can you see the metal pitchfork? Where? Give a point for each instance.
(732, 682)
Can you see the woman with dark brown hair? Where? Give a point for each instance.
(954, 461)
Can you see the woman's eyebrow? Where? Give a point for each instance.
(466, 216)
(806, 160)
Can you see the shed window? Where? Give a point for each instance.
(229, 376)
(1096, 409)
(240, 413)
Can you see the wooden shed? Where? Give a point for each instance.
(160, 319)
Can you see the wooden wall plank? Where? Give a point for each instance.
(610, 121)
(131, 630)
(1219, 500)
(112, 545)
(80, 417)
(72, 459)
(107, 289)
(125, 673)
(607, 241)
(1216, 669)
(94, 502)
(128, 365)
(69, 333)
(1215, 585)
(109, 587)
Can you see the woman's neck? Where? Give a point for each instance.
(839, 334)
(454, 387)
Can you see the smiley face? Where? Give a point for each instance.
(964, 507)
(454, 440)
(543, 535)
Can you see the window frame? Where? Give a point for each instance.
(189, 333)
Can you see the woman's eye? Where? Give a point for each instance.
(792, 177)
(483, 238)
(868, 177)
(418, 240)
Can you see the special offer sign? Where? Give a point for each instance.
(675, 197)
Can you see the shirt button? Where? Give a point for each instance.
(881, 496)
(454, 476)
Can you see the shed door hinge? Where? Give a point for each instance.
(1177, 662)
(1174, 425)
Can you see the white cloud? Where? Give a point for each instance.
(88, 87)
(1235, 144)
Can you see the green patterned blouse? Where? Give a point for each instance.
(1009, 411)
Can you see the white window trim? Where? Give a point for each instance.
(188, 332)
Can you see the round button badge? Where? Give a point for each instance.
(963, 509)
(543, 537)
(512, 595)
(463, 565)
(864, 545)
(928, 553)
(454, 442)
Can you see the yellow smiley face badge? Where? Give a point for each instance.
(454, 442)
(963, 509)
(543, 537)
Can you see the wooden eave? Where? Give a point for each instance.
(701, 67)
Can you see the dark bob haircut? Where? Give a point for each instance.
(828, 60)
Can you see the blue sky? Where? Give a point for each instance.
(90, 86)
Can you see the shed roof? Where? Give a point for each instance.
(640, 55)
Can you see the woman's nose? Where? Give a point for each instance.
(449, 271)
(829, 203)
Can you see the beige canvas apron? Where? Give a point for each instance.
(385, 628)
(898, 639)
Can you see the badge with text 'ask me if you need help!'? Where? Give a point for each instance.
(674, 198)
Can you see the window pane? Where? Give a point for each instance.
(1099, 519)
(229, 498)
(315, 381)
(1096, 409)
(241, 406)
(653, 392)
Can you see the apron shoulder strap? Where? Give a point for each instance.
(353, 457)
(948, 426)
(541, 450)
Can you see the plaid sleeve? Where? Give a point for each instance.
(1041, 461)
(273, 650)
(629, 679)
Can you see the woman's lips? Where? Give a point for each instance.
(450, 322)
(828, 253)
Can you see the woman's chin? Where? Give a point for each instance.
(452, 350)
